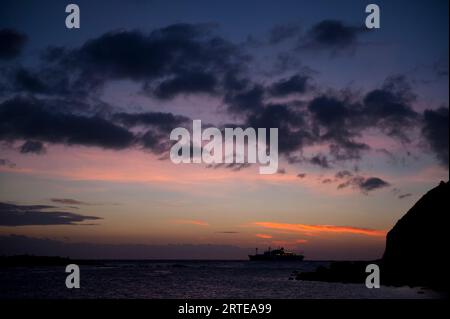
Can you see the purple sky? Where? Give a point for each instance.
(85, 118)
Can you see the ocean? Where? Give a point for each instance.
(188, 279)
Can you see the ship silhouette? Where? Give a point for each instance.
(276, 255)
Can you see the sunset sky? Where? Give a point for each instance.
(85, 118)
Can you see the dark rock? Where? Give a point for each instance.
(416, 247)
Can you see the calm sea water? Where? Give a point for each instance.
(187, 279)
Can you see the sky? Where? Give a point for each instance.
(86, 114)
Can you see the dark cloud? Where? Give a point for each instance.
(390, 109)
(296, 84)
(365, 185)
(34, 147)
(320, 160)
(177, 59)
(343, 174)
(372, 183)
(27, 215)
(190, 82)
(194, 59)
(68, 201)
(47, 79)
(288, 120)
(71, 201)
(331, 34)
(330, 112)
(25, 118)
(404, 195)
(249, 100)
(335, 121)
(164, 122)
(25, 80)
(156, 142)
(340, 121)
(236, 167)
(435, 130)
(11, 43)
(180, 58)
(42, 120)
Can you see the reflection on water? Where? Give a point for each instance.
(187, 279)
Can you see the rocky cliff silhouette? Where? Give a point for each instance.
(416, 247)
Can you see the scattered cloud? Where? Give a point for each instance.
(29, 118)
(11, 43)
(331, 35)
(33, 215)
(401, 196)
(372, 183)
(320, 160)
(68, 201)
(34, 147)
(364, 184)
(296, 84)
(343, 174)
(435, 130)
(31, 110)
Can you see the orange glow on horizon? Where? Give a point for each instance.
(264, 236)
(302, 228)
